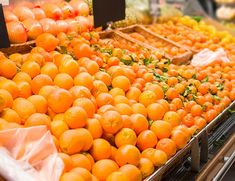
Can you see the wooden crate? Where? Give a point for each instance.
(184, 58)
(18, 48)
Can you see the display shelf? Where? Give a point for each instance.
(197, 150)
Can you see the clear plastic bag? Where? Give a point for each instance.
(207, 57)
(29, 154)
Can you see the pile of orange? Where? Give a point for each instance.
(109, 121)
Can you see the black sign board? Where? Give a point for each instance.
(4, 40)
(106, 11)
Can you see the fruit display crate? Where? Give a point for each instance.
(18, 48)
(197, 148)
(158, 43)
(151, 28)
(110, 35)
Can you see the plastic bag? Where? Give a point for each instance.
(29, 154)
(207, 57)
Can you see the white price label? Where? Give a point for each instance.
(4, 2)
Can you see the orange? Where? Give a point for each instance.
(180, 138)
(188, 120)
(92, 67)
(121, 99)
(156, 89)
(172, 117)
(117, 176)
(75, 117)
(133, 93)
(80, 160)
(24, 89)
(121, 82)
(177, 102)
(139, 108)
(168, 146)
(10, 86)
(111, 122)
(8, 68)
(104, 99)
(94, 127)
(49, 69)
(200, 122)
(140, 123)
(124, 109)
(146, 167)
(127, 154)
(203, 88)
(85, 174)
(99, 87)
(162, 129)
(75, 140)
(146, 139)
(35, 57)
(64, 81)
(22, 76)
(125, 136)
(60, 100)
(69, 67)
(37, 119)
(172, 93)
(147, 97)
(127, 123)
(165, 104)
(39, 102)
(8, 100)
(103, 168)
(155, 111)
(39, 81)
(3, 124)
(82, 50)
(106, 108)
(31, 68)
(79, 92)
(68, 163)
(157, 157)
(196, 110)
(113, 152)
(71, 176)
(91, 159)
(45, 91)
(104, 77)
(29, 109)
(117, 92)
(47, 41)
(84, 79)
(113, 61)
(87, 105)
(10, 115)
(58, 128)
(101, 149)
(132, 172)
(2, 103)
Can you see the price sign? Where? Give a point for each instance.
(106, 11)
(4, 2)
(154, 7)
(4, 40)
